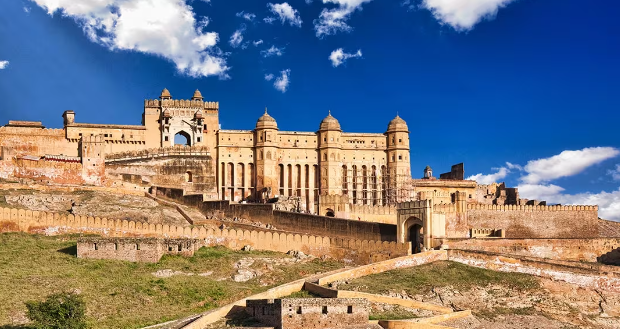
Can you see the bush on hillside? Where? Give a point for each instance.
(58, 311)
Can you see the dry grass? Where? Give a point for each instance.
(121, 294)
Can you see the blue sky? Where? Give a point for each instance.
(485, 82)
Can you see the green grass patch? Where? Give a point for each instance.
(121, 294)
(422, 279)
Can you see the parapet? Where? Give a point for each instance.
(25, 124)
(530, 207)
(181, 103)
(185, 150)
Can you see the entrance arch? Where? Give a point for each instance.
(415, 234)
(330, 213)
(182, 138)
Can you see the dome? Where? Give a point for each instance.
(197, 95)
(397, 124)
(330, 123)
(266, 121)
(165, 94)
(428, 168)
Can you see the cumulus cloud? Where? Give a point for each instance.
(567, 163)
(490, 178)
(338, 56)
(273, 51)
(247, 16)
(462, 15)
(286, 13)
(334, 20)
(269, 19)
(283, 80)
(269, 77)
(608, 202)
(4, 64)
(257, 42)
(165, 28)
(237, 37)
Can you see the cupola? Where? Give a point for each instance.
(165, 94)
(330, 123)
(266, 121)
(197, 95)
(397, 124)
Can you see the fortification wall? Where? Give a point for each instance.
(42, 171)
(287, 221)
(588, 278)
(351, 251)
(377, 214)
(588, 250)
(536, 221)
(36, 141)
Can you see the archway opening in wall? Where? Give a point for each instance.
(182, 138)
(188, 177)
(415, 235)
(330, 213)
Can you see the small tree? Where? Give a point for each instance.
(58, 311)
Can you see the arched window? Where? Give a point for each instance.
(188, 177)
(182, 138)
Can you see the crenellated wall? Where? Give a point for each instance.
(520, 221)
(354, 251)
(42, 170)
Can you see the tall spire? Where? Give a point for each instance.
(265, 109)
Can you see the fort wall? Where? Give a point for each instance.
(353, 251)
(587, 278)
(587, 250)
(43, 171)
(521, 221)
(36, 141)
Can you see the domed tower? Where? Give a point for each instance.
(265, 144)
(330, 148)
(399, 170)
(428, 172)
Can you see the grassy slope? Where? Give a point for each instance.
(126, 295)
(422, 279)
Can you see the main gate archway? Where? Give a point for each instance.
(413, 224)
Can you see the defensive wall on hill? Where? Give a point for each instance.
(353, 251)
(288, 221)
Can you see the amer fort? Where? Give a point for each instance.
(327, 194)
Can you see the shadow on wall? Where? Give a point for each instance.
(610, 258)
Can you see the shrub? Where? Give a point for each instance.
(58, 311)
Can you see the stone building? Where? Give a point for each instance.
(306, 313)
(236, 165)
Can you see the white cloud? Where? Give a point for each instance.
(247, 16)
(332, 21)
(567, 163)
(286, 13)
(4, 64)
(462, 15)
(490, 178)
(283, 81)
(514, 166)
(237, 37)
(615, 173)
(409, 4)
(309, 1)
(165, 28)
(269, 77)
(273, 51)
(608, 202)
(338, 56)
(257, 42)
(269, 19)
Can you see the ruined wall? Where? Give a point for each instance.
(583, 277)
(134, 249)
(351, 251)
(36, 141)
(588, 250)
(536, 221)
(42, 171)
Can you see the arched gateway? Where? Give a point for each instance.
(417, 224)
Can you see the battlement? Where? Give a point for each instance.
(530, 208)
(177, 150)
(373, 210)
(181, 103)
(445, 208)
(414, 204)
(62, 158)
(25, 124)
